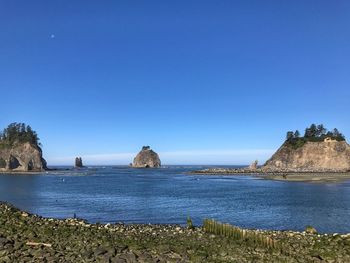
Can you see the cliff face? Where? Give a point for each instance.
(146, 158)
(22, 157)
(311, 157)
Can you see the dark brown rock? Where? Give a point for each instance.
(78, 162)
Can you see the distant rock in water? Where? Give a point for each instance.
(78, 162)
(20, 150)
(325, 156)
(254, 165)
(146, 158)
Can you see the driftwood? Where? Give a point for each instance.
(38, 244)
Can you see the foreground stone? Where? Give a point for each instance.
(30, 238)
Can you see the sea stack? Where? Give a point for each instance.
(146, 158)
(316, 151)
(20, 150)
(78, 162)
(253, 165)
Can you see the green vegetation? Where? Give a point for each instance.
(314, 133)
(190, 223)
(18, 133)
(310, 230)
(29, 238)
(253, 237)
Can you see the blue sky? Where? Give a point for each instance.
(214, 82)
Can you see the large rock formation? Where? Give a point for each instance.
(146, 158)
(325, 156)
(21, 157)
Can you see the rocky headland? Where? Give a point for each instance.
(30, 238)
(321, 155)
(20, 150)
(146, 158)
(22, 157)
(325, 156)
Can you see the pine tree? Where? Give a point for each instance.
(290, 135)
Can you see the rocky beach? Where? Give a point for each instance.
(30, 238)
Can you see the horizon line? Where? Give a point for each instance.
(184, 157)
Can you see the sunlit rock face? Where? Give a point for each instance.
(22, 157)
(253, 165)
(329, 155)
(146, 158)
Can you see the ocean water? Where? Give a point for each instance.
(169, 195)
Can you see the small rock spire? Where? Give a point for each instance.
(78, 162)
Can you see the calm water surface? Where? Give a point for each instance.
(169, 195)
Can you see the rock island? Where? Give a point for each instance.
(319, 153)
(146, 158)
(20, 150)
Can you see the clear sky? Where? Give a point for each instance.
(214, 82)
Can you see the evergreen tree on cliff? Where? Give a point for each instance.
(318, 150)
(20, 149)
(19, 133)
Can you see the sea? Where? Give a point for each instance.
(169, 195)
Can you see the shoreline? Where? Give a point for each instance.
(288, 176)
(313, 178)
(24, 172)
(38, 171)
(32, 238)
(310, 177)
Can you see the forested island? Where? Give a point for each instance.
(318, 154)
(18, 133)
(20, 149)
